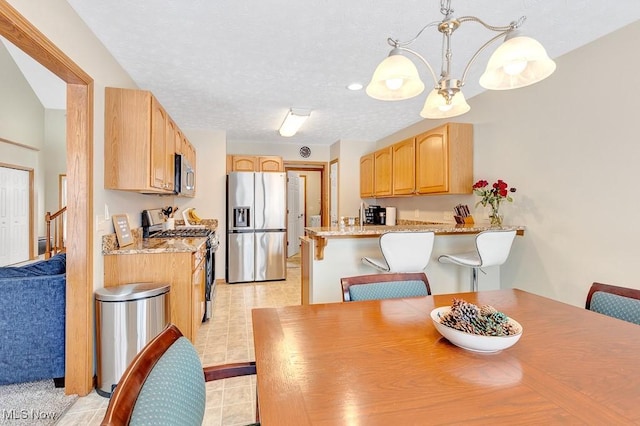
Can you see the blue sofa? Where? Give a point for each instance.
(32, 321)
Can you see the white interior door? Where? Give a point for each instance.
(293, 213)
(14, 216)
(302, 203)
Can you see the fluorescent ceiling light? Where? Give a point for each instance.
(293, 121)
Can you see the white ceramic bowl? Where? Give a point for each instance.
(473, 342)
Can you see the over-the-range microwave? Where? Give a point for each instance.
(185, 178)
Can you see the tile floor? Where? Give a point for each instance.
(226, 337)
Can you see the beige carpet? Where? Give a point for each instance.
(33, 403)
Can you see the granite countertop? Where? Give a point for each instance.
(159, 245)
(156, 245)
(375, 230)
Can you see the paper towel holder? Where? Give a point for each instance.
(391, 216)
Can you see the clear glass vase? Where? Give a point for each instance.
(495, 216)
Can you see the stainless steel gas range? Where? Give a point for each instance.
(152, 227)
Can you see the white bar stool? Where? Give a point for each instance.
(492, 249)
(403, 252)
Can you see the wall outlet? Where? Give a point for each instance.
(416, 213)
(106, 212)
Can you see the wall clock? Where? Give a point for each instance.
(305, 152)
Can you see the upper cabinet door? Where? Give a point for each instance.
(244, 163)
(444, 160)
(404, 167)
(366, 176)
(383, 169)
(270, 164)
(159, 170)
(432, 161)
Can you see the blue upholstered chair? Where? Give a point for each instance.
(385, 286)
(617, 302)
(165, 384)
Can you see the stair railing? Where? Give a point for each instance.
(58, 229)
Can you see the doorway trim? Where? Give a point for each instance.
(314, 166)
(337, 206)
(14, 27)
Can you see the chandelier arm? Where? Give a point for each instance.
(512, 26)
(419, 56)
(475, 55)
(398, 43)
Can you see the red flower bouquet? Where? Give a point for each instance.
(493, 195)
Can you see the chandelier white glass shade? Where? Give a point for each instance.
(520, 61)
(294, 119)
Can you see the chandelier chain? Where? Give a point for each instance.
(445, 8)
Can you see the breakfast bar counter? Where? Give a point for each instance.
(321, 234)
(330, 253)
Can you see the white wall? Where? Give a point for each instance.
(313, 194)
(348, 153)
(55, 154)
(210, 199)
(289, 151)
(569, 145)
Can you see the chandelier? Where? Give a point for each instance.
(520, 61)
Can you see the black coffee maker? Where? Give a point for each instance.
(375, 215)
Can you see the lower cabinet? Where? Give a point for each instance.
(184, 271)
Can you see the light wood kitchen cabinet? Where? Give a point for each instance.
(270, 164)
(197, 293)
(366, 176)
(439, 161)
(242, 163)
(250, 163)
(444, 160)
(184, 271)
(139, 142)
(404, 170)
(383, 172)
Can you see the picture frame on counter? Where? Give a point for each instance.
(123, 230)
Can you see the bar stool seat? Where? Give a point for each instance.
(403, 252)
(492, 249)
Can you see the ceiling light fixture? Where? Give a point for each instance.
(355, 86)
(520, 61)
(293, 121)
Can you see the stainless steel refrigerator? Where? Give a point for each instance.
(256, 226)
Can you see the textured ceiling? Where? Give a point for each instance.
(238, 65)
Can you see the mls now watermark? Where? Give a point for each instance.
(28, 415)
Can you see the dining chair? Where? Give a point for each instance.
(403, 252)
(617, 302)
(165, 384)
(492, 249)
(385, 286)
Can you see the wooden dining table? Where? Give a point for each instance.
(384, 363)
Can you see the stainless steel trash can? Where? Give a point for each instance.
(127, 318)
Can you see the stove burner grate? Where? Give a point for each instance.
(182, 233)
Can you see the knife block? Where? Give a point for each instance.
(464, 220)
